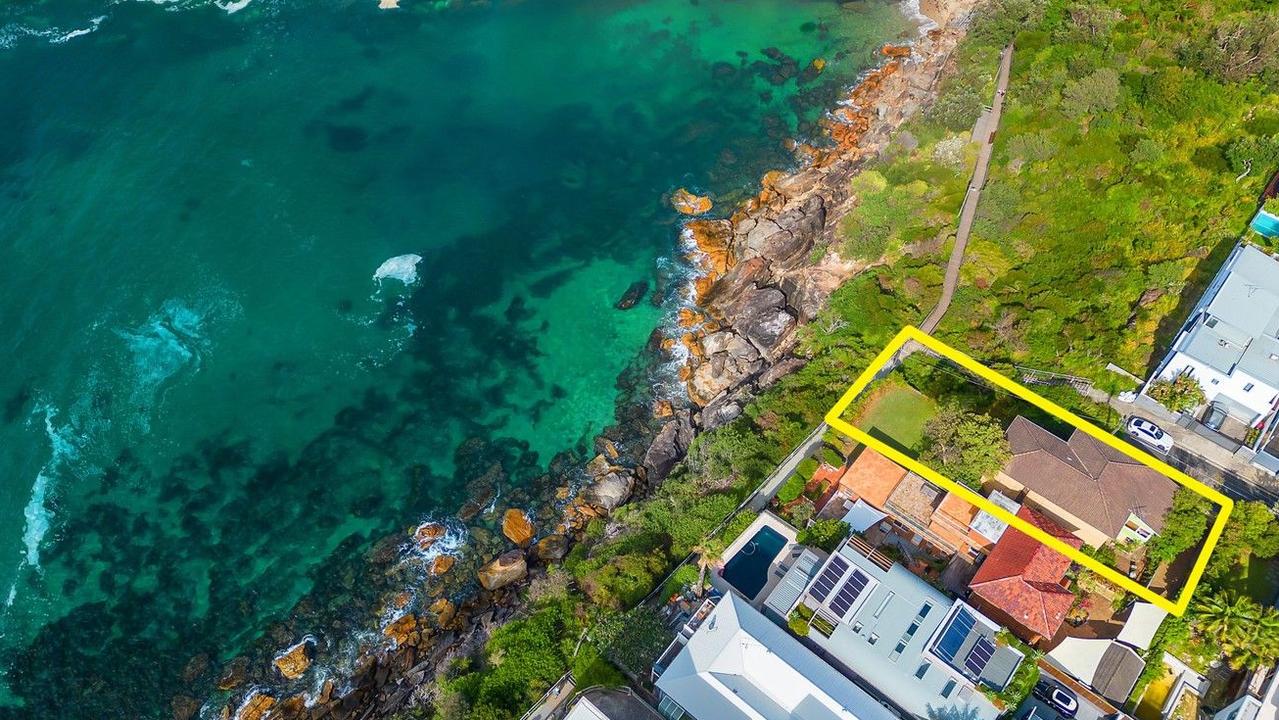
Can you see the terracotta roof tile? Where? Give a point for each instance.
(873, 477)
(1022, 576)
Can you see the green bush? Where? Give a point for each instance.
(806, 468)
(1179, 394)
(591, 669)
(797, 623)
(824, 534)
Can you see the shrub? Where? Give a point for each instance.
(797, 623)
(806, 468)
(824, 534)
(591, 669)
(1179, 394)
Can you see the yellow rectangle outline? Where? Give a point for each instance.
(911, 332)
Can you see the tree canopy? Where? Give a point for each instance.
(965, 446)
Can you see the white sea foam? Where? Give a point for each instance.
(38, 515)
(93, 25)
(910, 8)
(233, 7)
(400, 267)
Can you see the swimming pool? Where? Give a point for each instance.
(1266, 224)
(748, 569)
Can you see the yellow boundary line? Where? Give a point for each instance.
(909, 333)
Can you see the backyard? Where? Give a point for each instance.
(895, 413)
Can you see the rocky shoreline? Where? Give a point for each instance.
(758, 284)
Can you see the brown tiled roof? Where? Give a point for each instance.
(1087, 478)
(873, 477)
(1022, 576)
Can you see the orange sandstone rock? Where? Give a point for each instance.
(401, 629)
(255, 707)
(293, 662)
(444, 612)
(442, 564)
(516, 527)
(895, 51)
(689, 204)
(688, 317)
(426, 534)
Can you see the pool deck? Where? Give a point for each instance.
(776, 569)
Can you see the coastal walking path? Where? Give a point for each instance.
(985, 129)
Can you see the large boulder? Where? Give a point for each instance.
(517, 527)
(730, 359)
(551, 548)
(761, 316)
(255, 707)
(721, 412)
(787, 238)
(505, 569)
(669, 446)
(688, 203)
(609, 491)
(294, 661)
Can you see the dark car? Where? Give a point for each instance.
(1058, 697)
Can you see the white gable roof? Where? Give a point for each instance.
(740, 665)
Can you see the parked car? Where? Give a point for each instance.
(1058, 697)
(1150, 434)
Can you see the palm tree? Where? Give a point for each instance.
(1247, 633)
(1226, 617)
(707, 556)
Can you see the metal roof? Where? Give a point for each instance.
(793, 583)
(1239, 326)
(741, 666)
(876, 643)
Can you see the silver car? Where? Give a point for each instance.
(1149, 434)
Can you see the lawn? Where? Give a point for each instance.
(896, 414)
(1260, 580)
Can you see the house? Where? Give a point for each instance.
(1259, 701)
(739, 665)
(1022, 582)
(1111, 666)
(1230, 343)
(1095, 491)
(924, 652)
(606, 704)
(876, 488)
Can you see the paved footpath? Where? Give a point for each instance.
(984, 131)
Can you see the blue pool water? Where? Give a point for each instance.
(1266, 224)
(748, 569)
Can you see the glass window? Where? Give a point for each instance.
(670, 709)
(922, 670)
(1248, 387)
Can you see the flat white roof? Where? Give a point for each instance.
(739, 665)
(1141, 625)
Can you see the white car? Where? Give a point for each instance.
(1150, 434)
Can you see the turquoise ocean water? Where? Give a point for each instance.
(208, 401)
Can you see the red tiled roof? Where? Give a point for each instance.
(1022, 577)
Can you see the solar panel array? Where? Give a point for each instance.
(982, 650)
(829, 578)
(955, 635)
(849, 593)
